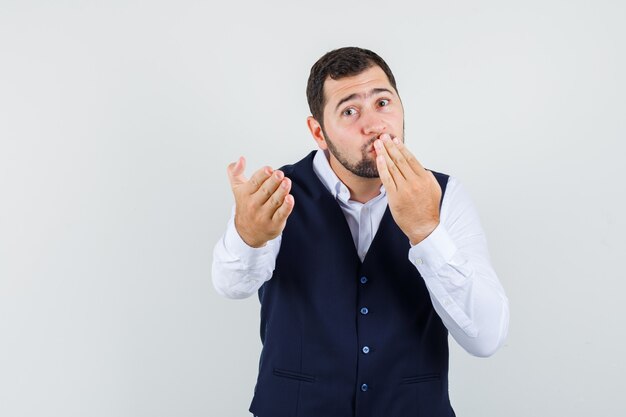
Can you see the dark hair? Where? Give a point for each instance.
(337, 64)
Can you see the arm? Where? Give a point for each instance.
(448, 248)
(245, 256)
(464, 289)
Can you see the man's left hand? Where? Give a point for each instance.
(412, 191)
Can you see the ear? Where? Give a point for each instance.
(316, 131)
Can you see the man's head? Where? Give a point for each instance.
(337, 64)
(353, 99)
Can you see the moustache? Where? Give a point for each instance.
(370, 142)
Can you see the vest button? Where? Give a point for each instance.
(366, 349)
(364, 311)
(364, 387)
(363, 280)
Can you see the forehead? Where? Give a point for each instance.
(374, 77)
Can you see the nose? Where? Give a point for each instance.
(372, 124)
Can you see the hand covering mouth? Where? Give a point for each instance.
(369, 147)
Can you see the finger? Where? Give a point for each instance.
(383, 173)
(398, 157)
(392, 169)
(235, 171)
(410, 158)
(257, 179)
(269, 186)
(278, 198)
(281, 214)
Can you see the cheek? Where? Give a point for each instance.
(398, 119)
(343, 125)
(341, 129)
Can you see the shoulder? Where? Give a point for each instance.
(303, 164)
(457, 199)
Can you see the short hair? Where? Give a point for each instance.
(337, 64)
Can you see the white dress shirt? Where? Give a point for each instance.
(453, 261)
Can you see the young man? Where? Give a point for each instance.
(363, 261)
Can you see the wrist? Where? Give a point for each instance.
(248, 238)
(254, 243)
(418, 234)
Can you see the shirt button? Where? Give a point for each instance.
(419, 261)
(366, 349)
(363, 280)
(364, 311)
(364, 387)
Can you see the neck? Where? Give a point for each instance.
(361, 189)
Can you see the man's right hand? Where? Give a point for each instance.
(262, 203)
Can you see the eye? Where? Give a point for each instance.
(349, 111)
(384, 102)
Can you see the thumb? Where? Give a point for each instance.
(236, 172)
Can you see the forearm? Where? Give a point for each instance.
(466, 293)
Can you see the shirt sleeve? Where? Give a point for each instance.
(465, 291)
(238, 270)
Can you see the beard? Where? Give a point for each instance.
(365, 167)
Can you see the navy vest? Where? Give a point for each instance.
(341, 337)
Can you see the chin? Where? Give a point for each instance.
(366, 171)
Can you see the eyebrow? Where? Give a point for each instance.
(355, 95)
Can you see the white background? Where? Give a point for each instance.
(117, 122)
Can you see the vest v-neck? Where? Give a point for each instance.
(319, 189)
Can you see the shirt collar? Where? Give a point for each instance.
(333, 184)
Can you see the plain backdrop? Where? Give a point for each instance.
(117, 121)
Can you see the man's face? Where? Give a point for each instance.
(358, 110)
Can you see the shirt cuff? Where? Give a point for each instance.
(434, 252)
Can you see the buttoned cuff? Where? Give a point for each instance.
(432, 253)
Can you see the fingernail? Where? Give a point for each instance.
(378, 144)
(396, 141)
(278, 175)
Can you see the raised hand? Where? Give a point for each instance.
(262, 203)
(413, 192)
